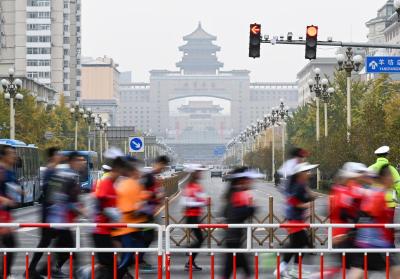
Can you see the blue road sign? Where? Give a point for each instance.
(383, 64)
(136, 144)
(219, 151)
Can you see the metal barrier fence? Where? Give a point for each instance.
(79, 249)
(256, 251)
(270, 217)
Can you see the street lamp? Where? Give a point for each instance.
(319, 86)
(100, 125)
(349, 64)
(283, 113)
(326, 95)
(89, 119)
(273, 119)
(11, 87)
(76, 112)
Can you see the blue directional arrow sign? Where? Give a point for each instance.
(382, 64)
(219, 151)
(136, 144)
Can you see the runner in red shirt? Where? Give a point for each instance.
(194, 199)
(375, 210)
(106, 212)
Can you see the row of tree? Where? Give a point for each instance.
(375, 111)
(375, 122)
(33, 120)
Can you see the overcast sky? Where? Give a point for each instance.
(145, 35)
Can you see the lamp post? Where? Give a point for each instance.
(349, 64)
(11, 87)
(90, 119)
(76, 112)
(319, 86)
(326, 95)
(273, 119)
(100, 126)
(283, 113)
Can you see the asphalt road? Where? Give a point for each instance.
(28, 237)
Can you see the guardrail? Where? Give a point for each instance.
(270, 217)
(79, 249)
(256, 251)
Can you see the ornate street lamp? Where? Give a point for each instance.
(11, 86)
(349, 64)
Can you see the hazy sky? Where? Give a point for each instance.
(144, 35)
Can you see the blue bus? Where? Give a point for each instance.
(91, 172)
(27, 170)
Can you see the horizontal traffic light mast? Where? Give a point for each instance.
(330, 43)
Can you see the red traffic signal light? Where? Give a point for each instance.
(255, 29)
(255, 40)
(311, 42)
(312, 31)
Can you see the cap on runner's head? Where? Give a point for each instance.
(106, 167)
(303, 167)
(353, 170)
(194, 167)
(382, 150)
(113, 152)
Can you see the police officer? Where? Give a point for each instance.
(393, 194)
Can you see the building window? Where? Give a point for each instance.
(66, 40)
(38, 63)
(38, 26)
(38, 15)
(39, 39)
(38, 74)
(39, 50)
(66, 87)
(66, 64)
(38, 3)
(66, 52)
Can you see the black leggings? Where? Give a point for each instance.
(104, 241)
(63, 239)
(296, 240)
(197, 233)
(241, 260)
(8, 241)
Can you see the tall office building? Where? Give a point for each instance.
(41, 39)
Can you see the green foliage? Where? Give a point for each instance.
(375, 122)
(33, 120)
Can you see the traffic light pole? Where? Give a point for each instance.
(331, 43)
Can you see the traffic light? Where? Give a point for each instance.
(311, 42)
(255, 40)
